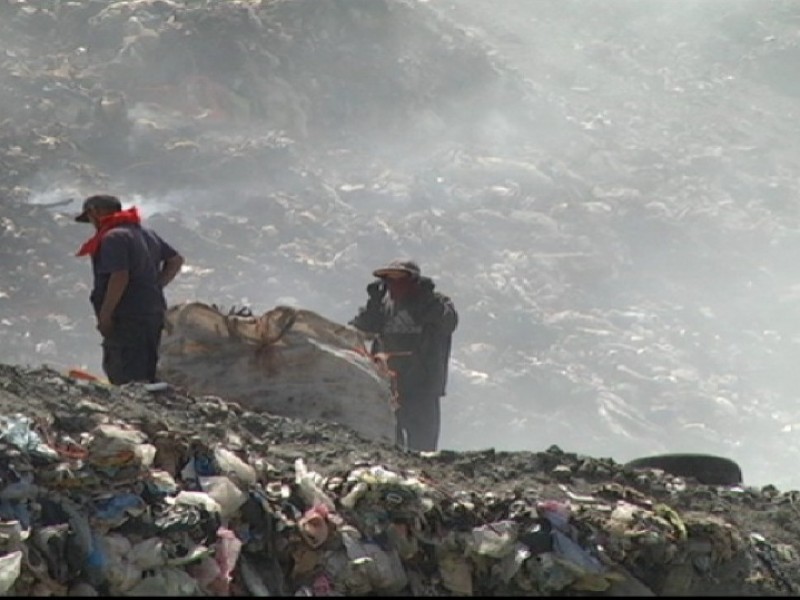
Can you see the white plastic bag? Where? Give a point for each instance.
(225, 493)
(234, 467)
(199, 499)
(384, 569)
(10, 567)
(148, 554)
(495, 540)
(310, 486)
(227, 550)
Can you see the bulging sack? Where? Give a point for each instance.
(289, 362)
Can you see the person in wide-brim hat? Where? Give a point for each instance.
(413, 325)
(399, 268)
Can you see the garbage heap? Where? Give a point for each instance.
(103, 494)
(188, 93)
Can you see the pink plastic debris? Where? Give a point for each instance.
(314, 525)
(228, 548)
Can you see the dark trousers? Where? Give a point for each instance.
(130, 353)
(418, 420)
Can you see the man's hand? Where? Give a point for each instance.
(105, 325)
(116, 287)
(172, 266)
(432, 309)
(376, 289)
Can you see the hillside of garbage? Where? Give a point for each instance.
(608, 200)
(137, 490)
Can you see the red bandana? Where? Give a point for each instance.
(107, 223)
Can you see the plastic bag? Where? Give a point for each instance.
(495, 540)
(382, 569)
(575, 554)
(225, 493)
(310, 486)
(234, 467)
(17, 431)
(12, 535)
(160, 483)
(112, 445)
(10, 567)
(146, 454)
(199, 499)
(228, 548)
(114, 511)
(509, 566)
(206, 571)
(456, 574)
(558, 513)
(314, 526)
(121, 575)
(148, 554)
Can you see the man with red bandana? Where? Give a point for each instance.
(414, 326)
(131, 265)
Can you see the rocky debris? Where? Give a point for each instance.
(130, 491)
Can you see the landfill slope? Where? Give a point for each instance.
(608, 200)
(124, 491)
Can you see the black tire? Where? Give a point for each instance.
(705, 468)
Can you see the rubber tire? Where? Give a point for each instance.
(705, 468)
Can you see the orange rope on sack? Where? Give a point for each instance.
(381, 361)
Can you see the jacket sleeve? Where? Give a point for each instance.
(438, 312)
(439, 319)
(370, 318)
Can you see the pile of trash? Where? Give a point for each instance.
(102, 494)
(170, 93)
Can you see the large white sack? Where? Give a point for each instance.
(288, 362)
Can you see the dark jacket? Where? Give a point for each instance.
(422, 326)
(141, 252)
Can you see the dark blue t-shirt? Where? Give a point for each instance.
(141, 252)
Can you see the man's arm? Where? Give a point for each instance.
(441, 313)
(114, 260)
(371, 318)
(117, 282)
(172, 266)
(436, 310)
